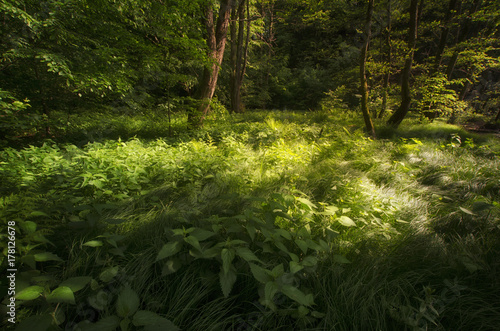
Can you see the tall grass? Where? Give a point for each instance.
(423, 199)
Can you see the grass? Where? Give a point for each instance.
(413, 237)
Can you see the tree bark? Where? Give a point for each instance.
(238, 53)
(462, 35)
(216, 42)
(362, 71)
(445, 31)
(387, 74)
(398, 116)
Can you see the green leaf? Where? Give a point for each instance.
(127, 303)
(480, 206)
(467, 211)
(297, 295)
(302, 245)
(295, 267)
(227, 280)
(251, 231)
(317, 314)
(108, 274)
(38, 213)
(93, 243)
(109, 323)
(270, 290)
(62, 294)
(124, 323)
(29, 227)
(259, 273)
(340, 259)
(193, 242)
(171, 266)
(246, 254)
(202, 234)
(35, 323)
(278, 271)
(307, 203)
(46, 256)
(227, 256)
(302, 311)
(281, 246)
(153, 322)
(115, 220)
(346, 221)
(30, 293)
(329, 211)
(117, 251)
(76, 283)
(309, 261)
(169, 249)
(284, 233)
(211, 252)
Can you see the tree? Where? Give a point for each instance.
(404, 107)
(362, 71)
(387, 73)
(239, 51)
(216, 30)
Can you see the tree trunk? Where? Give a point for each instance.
(387, 74)
(238, 54)
(216, 42)
(404, 107)
(362, 72)
(445, 31)
(462, 35)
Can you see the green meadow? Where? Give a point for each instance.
(267, 220)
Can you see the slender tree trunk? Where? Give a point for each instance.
(362, 71)
(387, 74)
(238, 54)
(404, 107)
(462, 35)
(216, 42)
(445, 31)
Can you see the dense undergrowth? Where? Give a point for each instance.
(264, 221)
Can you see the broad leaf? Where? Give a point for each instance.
(246, 254)
(227, 256)
(93, 243)
(35, 323)
(169, 249)
(202, 234)
(76, 283)
(46, 256)
(62, 294)
(270, 289)
(227, 280)
(346, 221)
(30, 293)
(106, 324)
(108, 274)
(297, 295)
(259, 273)
(467, 211)
(171, 266)
(127, 303)
(153, 322)
(193, 242)
(295, 267)
(340, 259)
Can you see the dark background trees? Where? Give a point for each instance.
(292, 54)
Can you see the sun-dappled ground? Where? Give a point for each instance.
(264, 221)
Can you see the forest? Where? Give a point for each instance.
(250, 165)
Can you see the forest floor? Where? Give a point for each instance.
(258, 221)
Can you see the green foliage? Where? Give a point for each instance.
(268, 215)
